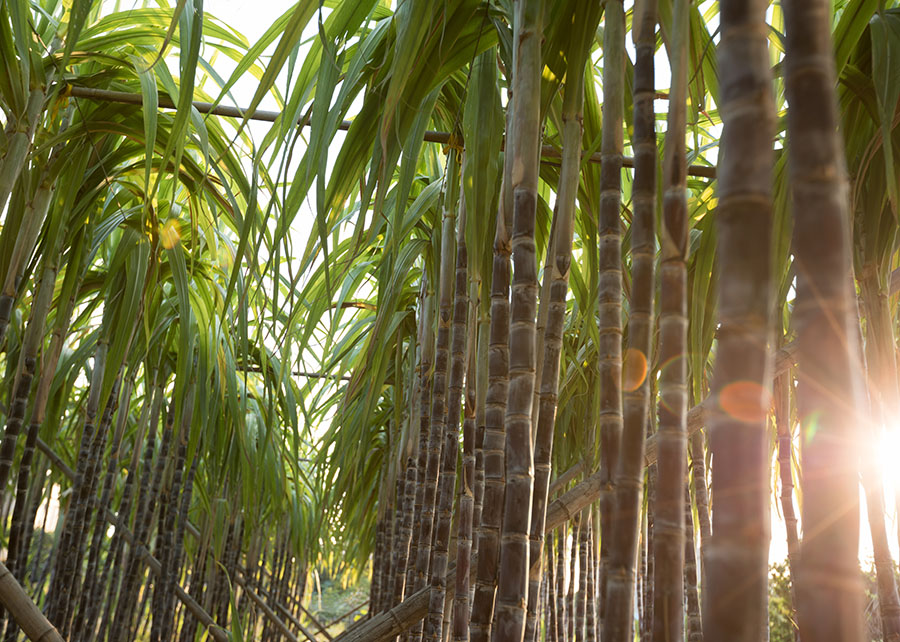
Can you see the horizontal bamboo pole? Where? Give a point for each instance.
(249, 583)
(298, 373)
(391, 623)
(265, 608)
(315, 621)
(344, 616)
(24, 611)
(430, 136)
(565, 477)
(249, 586)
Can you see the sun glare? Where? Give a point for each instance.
(887, 447)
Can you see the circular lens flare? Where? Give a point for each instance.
(745, 401)
(170, 233)
(634, 369)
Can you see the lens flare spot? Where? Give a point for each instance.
(634, 369)
(170, 233)
(745, 401)
(672, 369)
(810, 425)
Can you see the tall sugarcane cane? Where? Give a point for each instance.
(512, 584)
(21, 530)
(176, 519)
(573, 568)
(829, 394)
(562, 624)
(739, 544)
(551, 619)
(198, 574)
(668, 511)
(406, 529)
(646, 623)
(114, 555)
(586, 17)
(31, 344)
(493, 452)
(151, 479)
(376, 590)
(629, 469)
(581, 597)
(481, 375)
(701, 495)
(450, 450)
(595, 615)
(467, 479)
(80, 509)
(16, 546)
(411, 488)
(393, 557)
(610, 282)
(64, 567)
(427, 343)
(438, 390)
(692, 597)
(82, 618)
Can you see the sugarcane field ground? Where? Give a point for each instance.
(449, 320)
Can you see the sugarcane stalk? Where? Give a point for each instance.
(493, 451)
(512, 581)
(738, 437)
(450, 449)
(694, 622)
(609, 347)
(438, 391)
(623, 528)
(124, 614)
(85, 614)
(561, 610)
(467, 482)
(65, 566)
(558, 269)
(19, 144)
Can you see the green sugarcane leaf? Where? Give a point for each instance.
(885, 34)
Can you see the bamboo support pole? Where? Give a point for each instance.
(298, 373)
(316, 622)
(389, 624)
(565, 477)
(430, 136)
(282, 607)
(273, 617)
(344, 616)
(293, 620)
(24, 611)
(243, 583)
